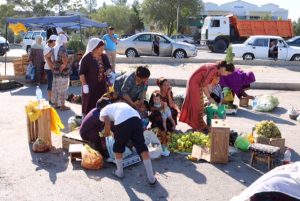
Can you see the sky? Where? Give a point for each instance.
(291, 5)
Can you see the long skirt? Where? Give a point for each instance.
(60, 87)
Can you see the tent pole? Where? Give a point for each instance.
(5, 59)
(80, 32)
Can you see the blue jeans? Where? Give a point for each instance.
(49, 79)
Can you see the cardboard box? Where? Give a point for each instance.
(72, 138)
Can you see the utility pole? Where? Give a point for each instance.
(177, 18)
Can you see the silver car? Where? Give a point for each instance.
(141, 44)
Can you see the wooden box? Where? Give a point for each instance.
(41, 128)
(19, 68)
(244, 102)
(277, 142)
(75, 83)
(72, 138)
(218, 151)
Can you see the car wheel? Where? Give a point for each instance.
(131, 53)
(28, 49)
(179, 54)
(248, 56)
(296, 57)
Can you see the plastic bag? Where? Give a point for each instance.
(228, 96)
(74, 122)
(214, 111)
(153, 144)
(109, 145)
(179, 98)
(30, 72)
(242, 143)
(266, 103)
(40, 146)
(91, 159)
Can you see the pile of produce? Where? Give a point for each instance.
(184, 142)
(267, 129)
(163, 136)
(266, 103)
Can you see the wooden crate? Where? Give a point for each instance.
(244, 102)
(75, 83)
(218, 151)
(277, 142)
(72, 138)
(41, 128)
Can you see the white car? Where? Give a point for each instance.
(29, 38)
(141, 44)
(258, 47)
(183, 38)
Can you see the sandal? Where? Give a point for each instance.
(64, 108)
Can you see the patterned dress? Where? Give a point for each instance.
(192, 110)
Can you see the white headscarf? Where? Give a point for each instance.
(36, 44)
(60, 41)
(92, 44)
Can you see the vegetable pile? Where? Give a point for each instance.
(184, 142)
(267, 129)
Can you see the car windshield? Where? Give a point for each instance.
(2, 40)
(169, 39)
(292, 39)
(248, 40)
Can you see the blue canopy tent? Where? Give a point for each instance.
(71, 22)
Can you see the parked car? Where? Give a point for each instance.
(4, 46)
(141, 44)
(183, 38)
(125, 36)
(295, 41)
(258, 47)
(29, 38)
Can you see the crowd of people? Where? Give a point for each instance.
(119, 104)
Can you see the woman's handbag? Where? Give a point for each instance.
(30, 72)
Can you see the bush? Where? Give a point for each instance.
(18, 39)
(76, 45)
(229, 56)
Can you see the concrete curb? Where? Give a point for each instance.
(167, 60)
(256, 85)
(182, 83)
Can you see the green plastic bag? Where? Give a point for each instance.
(214, 111)
(242, 143)
(228, 96)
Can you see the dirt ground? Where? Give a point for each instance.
(27, 176)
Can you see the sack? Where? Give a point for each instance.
(30, 72)
(266, 103)
(242, 143)
(91, 159)
(109, 145)
(40, 146)
(74, 122)
(153, 144)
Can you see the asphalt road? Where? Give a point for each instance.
(25, 175)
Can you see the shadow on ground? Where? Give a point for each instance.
(53, 162)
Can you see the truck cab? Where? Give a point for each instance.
(215, 33)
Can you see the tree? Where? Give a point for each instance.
(229, 56)
(61, 4)
(40, 9)
(163, 13)
(91, 5)
(296, 26)
(119, 2)
(117, 16)
(6, 10)
(135, 18)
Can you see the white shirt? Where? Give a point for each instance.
(47, 49)
(118, 112)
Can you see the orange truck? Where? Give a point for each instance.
(219, 31)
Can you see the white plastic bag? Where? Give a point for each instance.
(266, 103)
(109, 145)
(153, 144)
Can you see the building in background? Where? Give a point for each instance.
(245, 10)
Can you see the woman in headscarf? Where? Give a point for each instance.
(61, 72)
(192, 110)
(93, 67)
(36, 58)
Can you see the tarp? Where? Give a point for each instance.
(73, 22)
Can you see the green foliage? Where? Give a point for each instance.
(267, 17)
(229, 56)
(119, 2)
(296, 26)
(76, 45)
(267, 129)
(18, 39)
(117, 16)
(135, 18)
(6, 10)
(163, 13)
